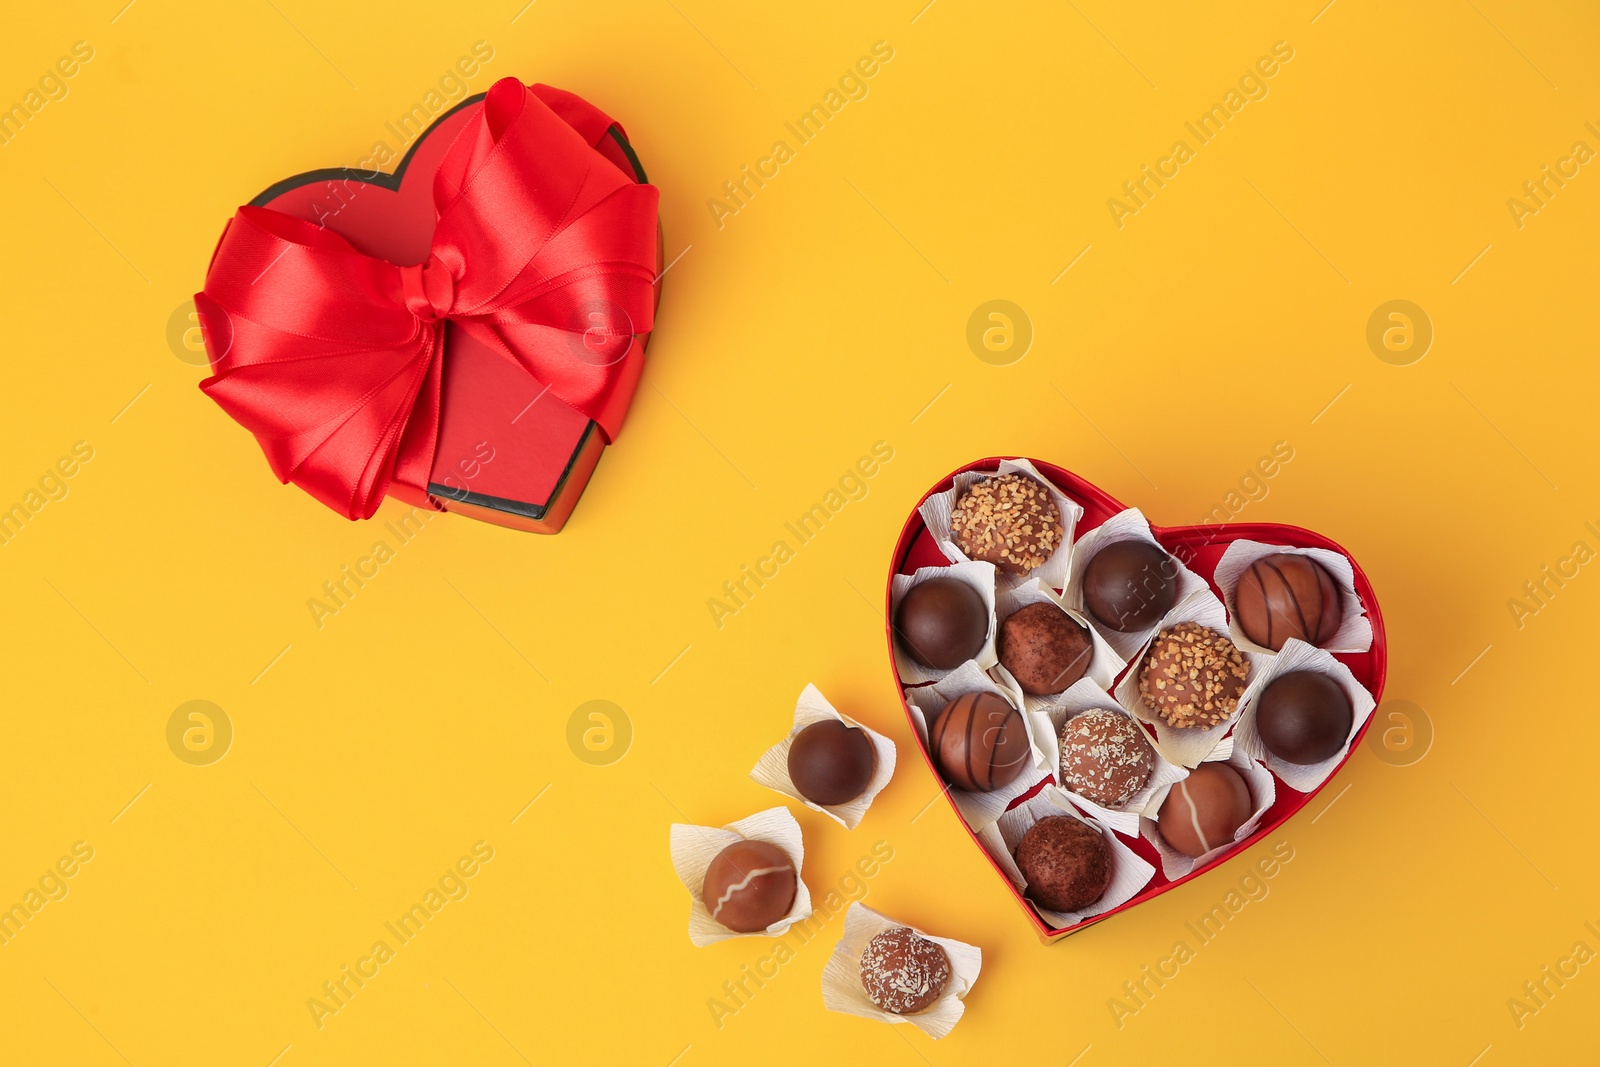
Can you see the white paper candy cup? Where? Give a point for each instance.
(1299, 656)
(1129, 873)
(1186, 746)
(1263, 791)
(936, 511)
(1104, 663)
(1126, 525)
(928, 702)
(694, 847)
(772, 770)
(1083, 697)
(981, 576)
(841, 978)
(1355, 629)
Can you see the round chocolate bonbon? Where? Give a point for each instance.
(1304, 717)
(1044, 648)
(1192, 676)
(1130, 585)
(902, 972)
(831, 762)
(1287, 595)
(941, 623)
(1066, 863)
(749, 886)
(1204, 810)
(1009, 520)
(980, 742)
(1105, 757)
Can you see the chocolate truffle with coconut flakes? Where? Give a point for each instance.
(749, 886)
(1192, 676)
(1105, 757)
(903, 973)
(1009, 520)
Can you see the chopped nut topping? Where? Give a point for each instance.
(1008, 520)
(1192, 676)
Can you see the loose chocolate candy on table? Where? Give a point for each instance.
(1066, 862)
(1130, 585)
(902, 972)
(1192, 676)
(1044, 648)
(1009, 520)
(1105, 757)
(980, 742)
(749, 886)
(831, 763)
(941, 623)
(1203, 811)
(1304, 717)
(1287, 595)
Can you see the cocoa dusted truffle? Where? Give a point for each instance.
(1130, 585)
(749, 886)
(1192, 676)
(1287, 595)
(1008, 520)
(1066, 863)
(1044, 648)
(831, 763)
(1304, 717)
(1105, 757)
(941, 623)
(979, 742)
(904, 973)
(1205, 809)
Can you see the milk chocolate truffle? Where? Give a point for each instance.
(1287, 595)
(749, 886)
(1192, 676)
(1066, 862)
(904, 973)
(1105, 757)
(1130, 585)
(980, 742)
(831, 763)
(1008, 520)
(1044, 648)
(1204, 809)
(941, 623)
(1304, 717)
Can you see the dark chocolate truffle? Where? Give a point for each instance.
(1105, 757)
(1044, 648)
(1130, 585)
(1203, 811)
(1304, 717)
(904, 973)
(831, 763)
(1192, 676)
(1066, 862)
(941, 623)
(1008, 520)
(1287, 595)
(980, 742)
(749, 886)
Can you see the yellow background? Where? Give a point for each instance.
(824, 316)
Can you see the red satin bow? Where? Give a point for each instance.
(333, 357)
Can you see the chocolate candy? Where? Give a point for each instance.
(1009, 520)
(1105, 757)
(831, 763)
(1130, 585)
(1304, 717)
(903, 973)
(979, 742)
(1287, 595)
(1192, 676)
(1043, 648)
(1205, 809)
(1066, 862)
(941, 623)
(749, 886)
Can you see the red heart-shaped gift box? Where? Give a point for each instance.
(509, 452)
(1199, 548)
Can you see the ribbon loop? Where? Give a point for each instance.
(430, 289)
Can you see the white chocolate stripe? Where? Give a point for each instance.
(1194, 819)
(744, 883)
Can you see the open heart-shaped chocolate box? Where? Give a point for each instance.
(1212, 563)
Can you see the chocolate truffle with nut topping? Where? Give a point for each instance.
(1192, 676)
(1008, 520)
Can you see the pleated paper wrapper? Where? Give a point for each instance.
(1263, 791)
(1299, 656)
(694, 847)
(1355, 629)
(1126, 525)
(981, 576)
(1104, 663)
(772, 770)
(841, 977)
(936, 512)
